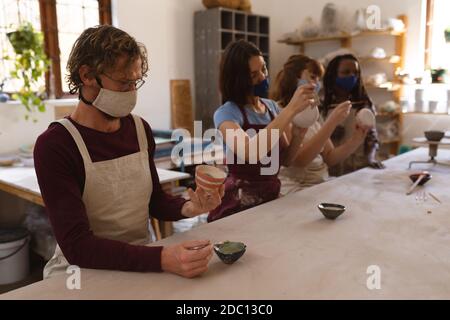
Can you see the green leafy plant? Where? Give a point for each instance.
(30, 65)
(447, 34)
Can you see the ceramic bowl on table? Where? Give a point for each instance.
(230, 252)
(416, 176)
(434, 136)
(331, 211)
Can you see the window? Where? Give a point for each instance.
(61, 21)
(87, 12)
(12, 14)
(437, 47)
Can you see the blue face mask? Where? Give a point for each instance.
(347, 83)
(303, 82)
(262, 89)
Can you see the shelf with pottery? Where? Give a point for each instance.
(388, 114)
(214, 30)
(389, 86)
(388, 141)
(303, 41)
(392, 142)
(427, 113)
(396, 59)
(343, 37)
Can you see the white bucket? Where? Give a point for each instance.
(14, 256)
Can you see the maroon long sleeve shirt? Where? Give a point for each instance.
(61, 177)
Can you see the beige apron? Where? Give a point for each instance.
(294, 179)
(116, 196)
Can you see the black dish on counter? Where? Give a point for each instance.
(416, 176)
(230, 252)
(331, 211)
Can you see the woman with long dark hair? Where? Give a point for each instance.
(317, 153)
(249, 120)
(342, 82)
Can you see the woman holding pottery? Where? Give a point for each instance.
(343, 82)
(243, 83)
(318, 151)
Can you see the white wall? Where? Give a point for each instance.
(415, 124)
(166, 27)
(15, 131)
(291, 14)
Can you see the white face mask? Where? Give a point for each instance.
(115, 103)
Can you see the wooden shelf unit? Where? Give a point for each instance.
(215, 29)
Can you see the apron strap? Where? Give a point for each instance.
(244, 114)
(78, 139)
(272, 116)
(141, 134)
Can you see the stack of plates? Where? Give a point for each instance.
(26, 151)
(26, 155)
(8, 160)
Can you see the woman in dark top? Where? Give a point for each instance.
(342, 82)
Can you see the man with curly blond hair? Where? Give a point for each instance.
(97, 174)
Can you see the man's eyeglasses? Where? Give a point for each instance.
(136, 83)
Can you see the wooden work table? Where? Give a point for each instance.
(294, 253)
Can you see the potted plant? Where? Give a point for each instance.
(30, 65)
(438, 75)
(447, 34)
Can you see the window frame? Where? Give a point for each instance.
(429, 33)
(49, 28)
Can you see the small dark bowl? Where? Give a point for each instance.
(434, 136)
(331, 211)
(230, 252)
(416, 176)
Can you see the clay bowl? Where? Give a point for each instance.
(434, 136)
(230, 252)
(209, 178)
(416, 176)
(331, 211)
